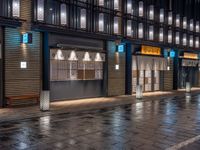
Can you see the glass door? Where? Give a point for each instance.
(148, 81)
(156, 80)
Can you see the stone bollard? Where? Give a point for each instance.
(188, 87)
(139, 94)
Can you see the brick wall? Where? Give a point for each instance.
(22, 81)
(116, 78)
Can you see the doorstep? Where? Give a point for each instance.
(72, 106)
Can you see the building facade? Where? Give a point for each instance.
(71, 49)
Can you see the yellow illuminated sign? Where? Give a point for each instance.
(190, 55)
(150, 50)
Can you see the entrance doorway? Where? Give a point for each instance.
(149, 72)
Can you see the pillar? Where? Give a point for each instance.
(45, 92)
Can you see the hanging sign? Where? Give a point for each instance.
(27, 38)
(190, 55)
(121, 48)
(150, 50)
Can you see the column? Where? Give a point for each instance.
(45, 91)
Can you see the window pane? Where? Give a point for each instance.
(63, 14)
(16, 8)
(40, 10)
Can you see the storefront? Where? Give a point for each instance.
(148, 69)
(77, 68)
(189, 69)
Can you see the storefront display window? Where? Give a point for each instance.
(76, 65)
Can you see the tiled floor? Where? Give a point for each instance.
(150, 125)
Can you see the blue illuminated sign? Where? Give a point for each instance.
(120, 48)
(26, 38)
(172, 54)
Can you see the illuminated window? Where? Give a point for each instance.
(197, 42)
(197, 26)
(177, 20)
(63, 14)
(116, 25)
(101, 22)
(141, 9)
(116, 4)
(101, 2)
(177, 38)
(151, 12)
(162, 15)
(161, 35)
(129, 7)
(16, 8)
(184, 39)
(40, 10)
(170, 18)
(83, 18)
(129, 28)
(151, 33)
(191, 25)
(140, 30)
(184, 22)
(169, 36)
(191, 41)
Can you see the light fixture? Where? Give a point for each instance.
(170, 18)
(101, 22)
(151, 12)
(197, 42)
(117, 67)
(161, 35)
(169, 36)
(63, 14)
(151, 33)
(129, 28)
(40, 10)
(116, 25)
(141, 8)
(140, 30)
(73, 56)
(162, 17)
(197, 26)
(23, 65)
(83, 18)
(177, 38)
(86, 57)
(184, 39)
(191, 25)
(129, 7)
(59, 55)
(184, 22)
(177, 20)
(98, 57)
(15, 8)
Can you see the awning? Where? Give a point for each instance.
(149, 63)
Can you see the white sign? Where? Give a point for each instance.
(23, 64)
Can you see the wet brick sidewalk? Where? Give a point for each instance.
(148, 125)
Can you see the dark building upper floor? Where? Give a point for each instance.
(169, 22)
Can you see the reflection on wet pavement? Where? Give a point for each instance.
(146, 125)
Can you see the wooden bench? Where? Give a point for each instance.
(10, 99)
